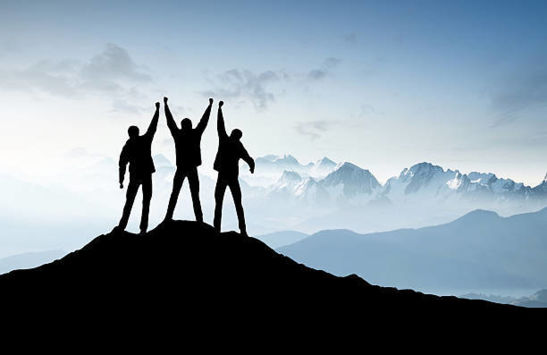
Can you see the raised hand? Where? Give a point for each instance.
(157, 105)
(165, 100)
(220, 103)
(210, 101)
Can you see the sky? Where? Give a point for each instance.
(382, 84)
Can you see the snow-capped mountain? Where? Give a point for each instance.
(274, 163)
(350, 181)
(540, 191)
(428, 180)
(345, 181)
(423, 181)
(286, 184)
(326, 194)
(270, 168)
(311, 191)
(323, 167)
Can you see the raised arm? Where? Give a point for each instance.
(124, 159)
(170, 121)
(220, 122)
(154, 123)
(205, 118)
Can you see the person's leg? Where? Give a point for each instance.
(236, 194)
(132, 189)
(177, 185)
(193, 180)
(146, 197)
(220, 189)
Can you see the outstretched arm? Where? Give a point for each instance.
(220, 122)
(250, 161)
(170, 121)
(124, 159)
(154, 123)
(205, 118)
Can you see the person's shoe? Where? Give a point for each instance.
(243, 233)
(142, 232)
(117, 230)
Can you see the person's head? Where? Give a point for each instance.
(186, 124)
(133, 131)
(236, 134)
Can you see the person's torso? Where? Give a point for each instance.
(227, 159)
(188, 149)
(140, 156)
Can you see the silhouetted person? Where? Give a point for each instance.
(230, 150)
(187, 145)
(137, 152)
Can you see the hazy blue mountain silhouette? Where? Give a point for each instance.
(536, 300)
(28, 260)
(280, 239)
(480, 250)
(186, 273)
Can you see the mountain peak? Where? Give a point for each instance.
(185, 270)
(347, 166)
(326, 163)
(269, 157)
(354, 179)
(425, 168)
(478, 216)
(288, 159)
(290, 176)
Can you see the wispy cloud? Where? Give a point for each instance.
(113, 63)
(260, 88)
(112, 72)
(246, 84)
(314, 129)
(350, 37)
(327, 66)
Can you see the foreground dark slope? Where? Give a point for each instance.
(183, 270)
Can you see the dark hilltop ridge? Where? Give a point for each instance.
(187, 273)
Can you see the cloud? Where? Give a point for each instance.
(327, 66)
(113, 63)
(366, 110)
(523, 90)
(120, 105)
(350, 37)
(52, 77)
(259, 88)
(111, 72)
(313, 129)
(247, 85)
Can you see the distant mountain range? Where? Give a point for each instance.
(29, 260)
(424, 179)
(480, 250)
(325, 194)
(537, 300)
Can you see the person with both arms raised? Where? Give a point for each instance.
(188, 151)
